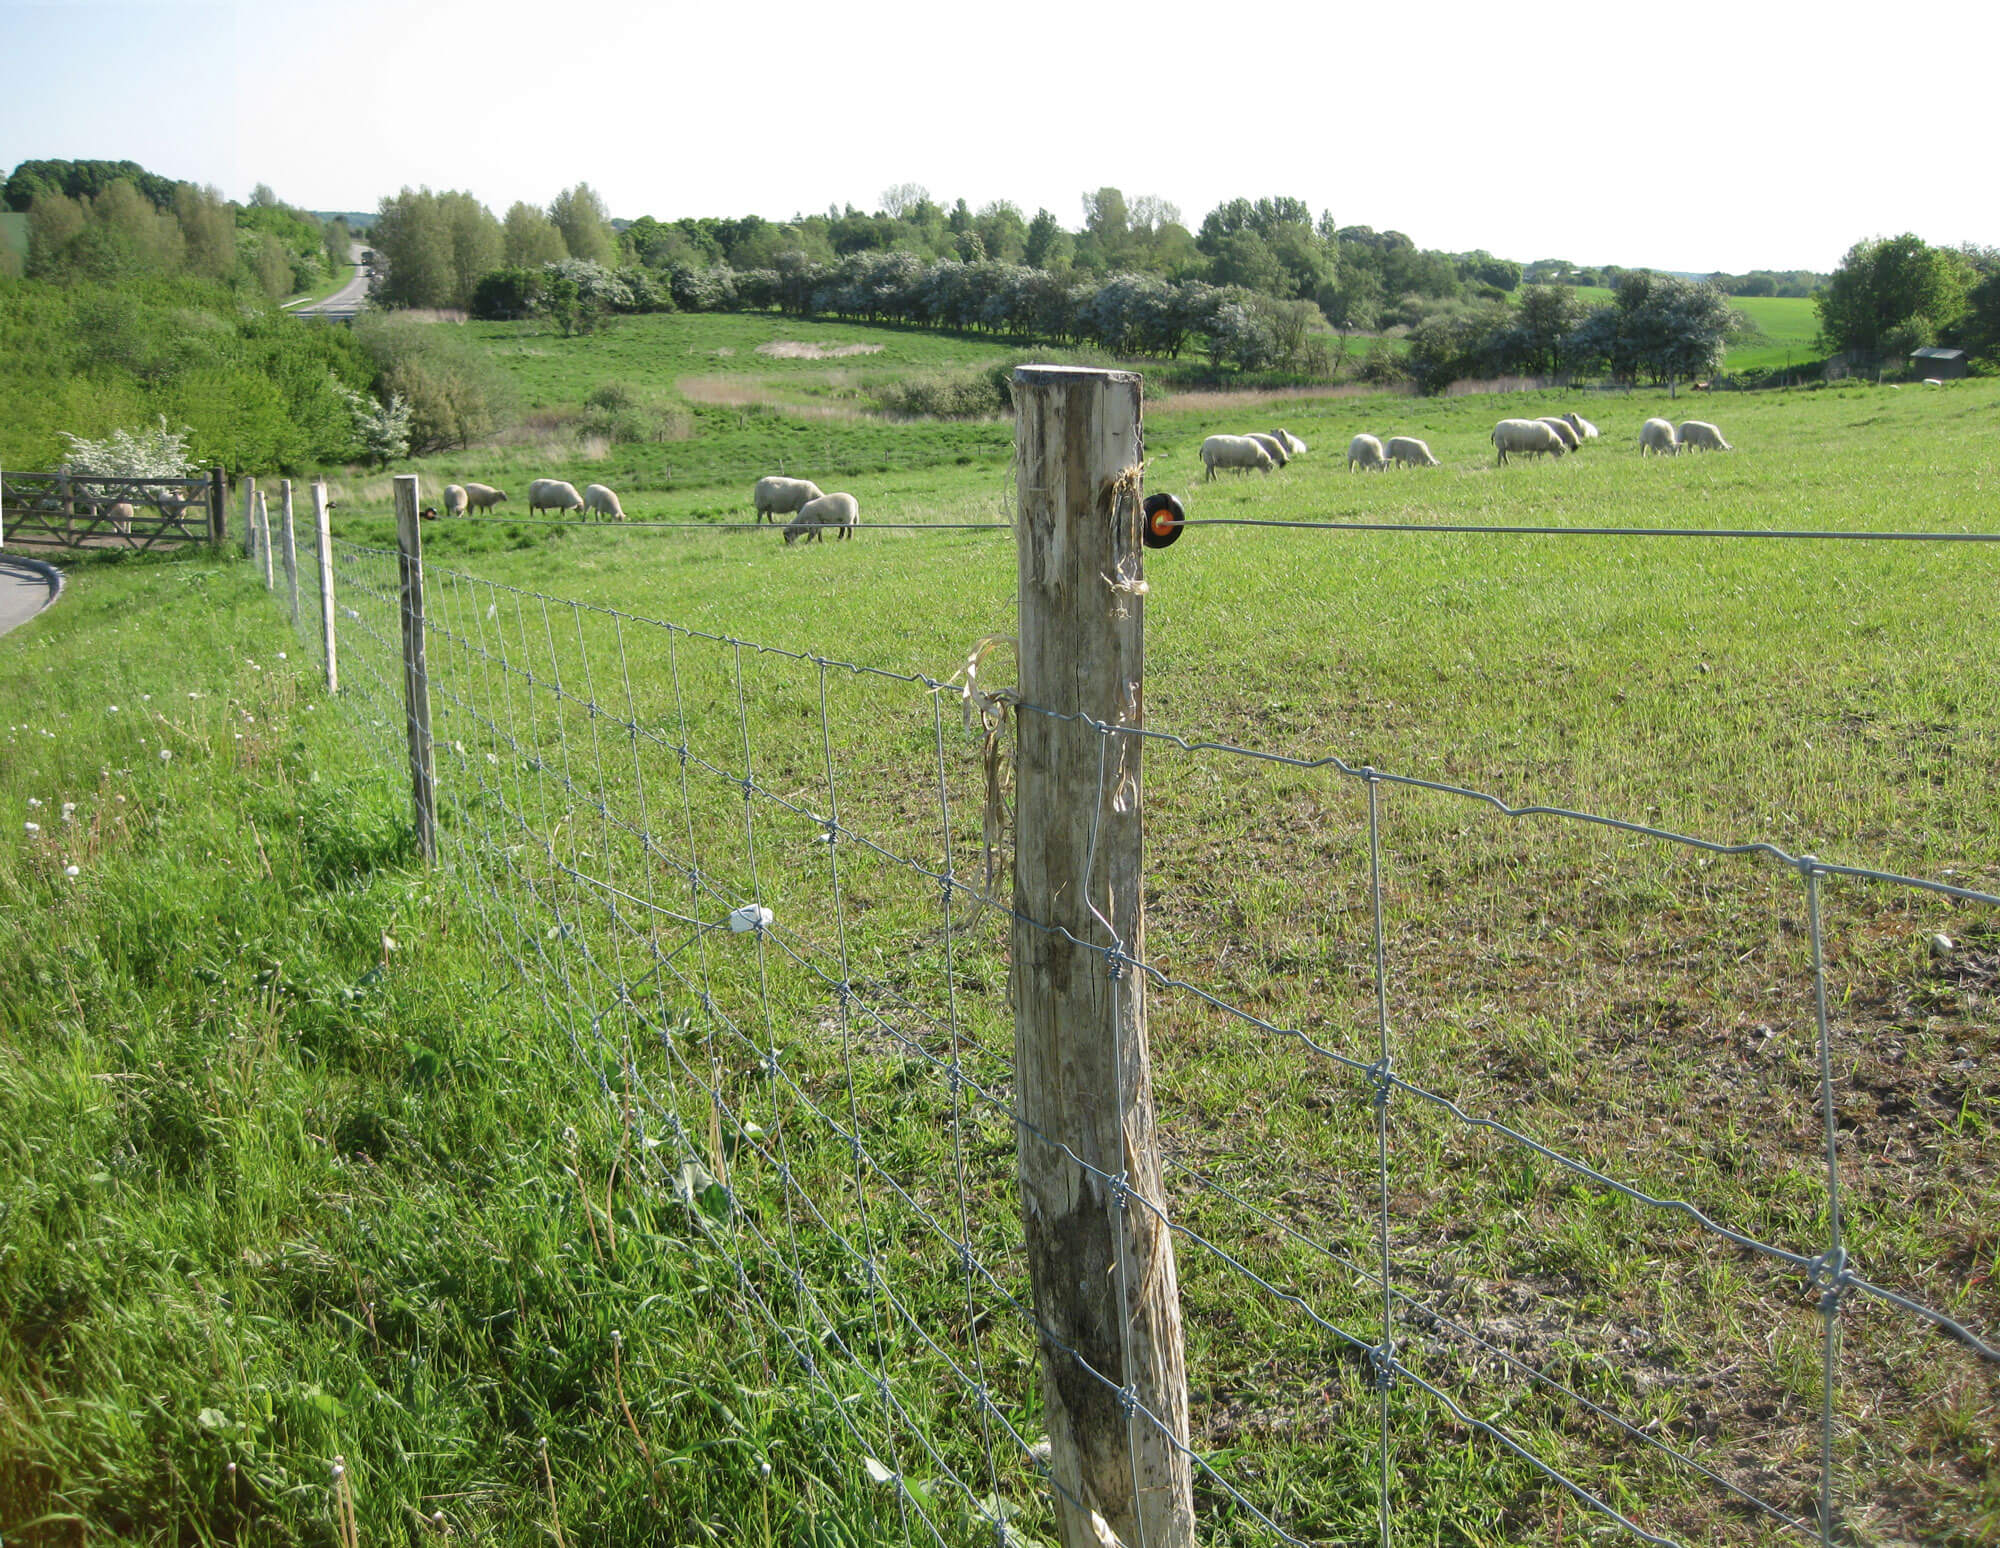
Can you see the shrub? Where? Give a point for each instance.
(455, 393)
(507, 295)
(974, 395)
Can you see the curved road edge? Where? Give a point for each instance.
(27, 586)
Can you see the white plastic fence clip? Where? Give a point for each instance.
(749, 917)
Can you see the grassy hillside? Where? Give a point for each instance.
(396, 1198)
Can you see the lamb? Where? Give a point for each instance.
(1290, 442)
(834, 510)
(1699, 433)
(483, 497)
(1408, 451)
(599, 501)
(552, 494)
(1366, 451)
(781, 496)
(1657, 436)
(1582, 426)
(1570, 438)
(1529, 437)
(454, 499)
(1273, 445)
(1234, 451)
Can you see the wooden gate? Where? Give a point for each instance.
(78, 510)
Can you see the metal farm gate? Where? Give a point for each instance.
(91, 511)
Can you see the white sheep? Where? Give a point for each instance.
(780, 496)
(1290, 442)
(1271, 444)
(1366, 452)
(1235, 451)
(833, 510)
(1528, 437)
(1657, 436)
(1408, 451)
(599, 501)
(1700, 434)
(454, 499)
(483, 497)
(552, 494)
(1562, 427)
(1582, 426)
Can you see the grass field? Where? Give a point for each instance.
(286, 1190)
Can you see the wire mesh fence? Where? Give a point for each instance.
(1525, 1166)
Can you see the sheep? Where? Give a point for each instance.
(1582, 426)
(1657, 436)
(483, 497)
(1529, 437)
(1290, 442)
(1933, 381)
(1408, 451)
(120, 512)
(834, 510)
(780, 496)
(1366, 451)
(1562, 427)
(552, 494)
(1234, 451)
(454, 499)
(1271, 444)
(1699, 433)
(599, 501)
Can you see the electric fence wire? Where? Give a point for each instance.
(568, 893)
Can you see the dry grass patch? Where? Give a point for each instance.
(791, 349)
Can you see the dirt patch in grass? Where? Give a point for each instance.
(791, 349)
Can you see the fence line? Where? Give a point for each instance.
(623, 944)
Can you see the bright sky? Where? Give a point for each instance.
(1680, 135)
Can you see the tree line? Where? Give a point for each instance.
(1892, 295)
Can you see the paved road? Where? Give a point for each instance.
(25, 589)
(349, 299)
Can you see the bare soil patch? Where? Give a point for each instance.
(791, 349)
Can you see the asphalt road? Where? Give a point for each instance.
(347, 300)
(25, 590)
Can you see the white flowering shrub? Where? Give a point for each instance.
(154, 453)
(382, 428)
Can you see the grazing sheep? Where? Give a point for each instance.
(1408, 451)
(454, 499)
(1699, 433)
(1529, 437)
(780, 496)
(834, 510)
(483, 497)
(1234, 451)
(1933, 381)
(1366, 452)
(1582, 426)
(1562, 427)
(1290, 442)
(599, 501)
(1657, 435)
(552, 494)
(120, 512)
(1271, 444)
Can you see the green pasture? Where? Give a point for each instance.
(1790, 325)
(287, 1190)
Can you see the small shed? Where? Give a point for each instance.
(1944, 364)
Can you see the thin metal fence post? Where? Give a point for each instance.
(1099, 1250)
(323, 529)
(291, 548)
(416, 677)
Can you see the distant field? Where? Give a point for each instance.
(1789, 323)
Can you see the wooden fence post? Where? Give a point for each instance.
(264, 540)
(322, 526)
(1099, 1250)
(249, 517)
(416, 678)
(291, 548)
(218, 515)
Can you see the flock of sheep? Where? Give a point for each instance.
(1551, 436)
(811, 511)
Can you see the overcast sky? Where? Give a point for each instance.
(1682, 135)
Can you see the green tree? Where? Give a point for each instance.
(529, 238)
(585, 225)
(1891, 295)
(1048, 245)
(435, 247)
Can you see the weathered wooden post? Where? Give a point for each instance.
(323, 527)
(249, 517)
(218, 515)
(416, 678)
(1099, 1251)
(264, 540)
(291, 547)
